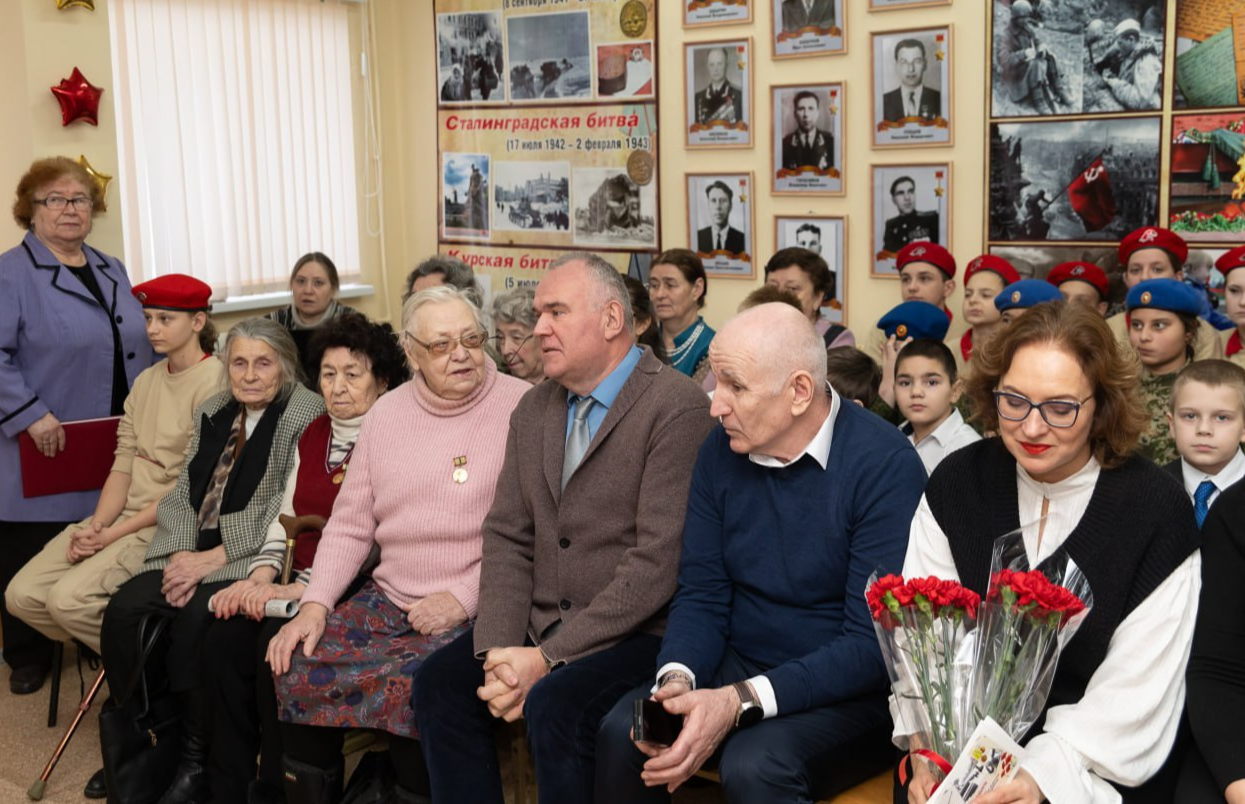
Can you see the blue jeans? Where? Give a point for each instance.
(800, 757)
(563, 712)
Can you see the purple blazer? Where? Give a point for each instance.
(56, 355)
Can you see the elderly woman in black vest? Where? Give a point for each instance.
(1063, 398)
(212, 524)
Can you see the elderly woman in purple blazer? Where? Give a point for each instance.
(72, 340)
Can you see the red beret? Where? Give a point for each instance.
(1230, 260)
(989, 262)
(932, 253)
(1154, 237)
(174, 292)
(1085, 272)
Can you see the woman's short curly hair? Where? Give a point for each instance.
(515, 307)
(359, 336)
(1112, 370)
(50, 170)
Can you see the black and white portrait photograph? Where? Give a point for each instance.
(550, 56)
(808, 138)
(809, 27)
(827, 237)
(532, 196)
(613, 211)
(1073, 179)
(720, 222)
(1077, 56)
(469, 58)
(912, 87)
(625, 70)
(700, 13)
(465, 196)
(911, 203)
(718, 86)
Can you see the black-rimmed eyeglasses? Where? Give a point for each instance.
(56, 203)
(1055, 412)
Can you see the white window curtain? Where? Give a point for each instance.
(235, 128)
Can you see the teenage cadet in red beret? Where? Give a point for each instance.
(1082, 283)
(984, 278)
(1234, 298)
(64, 590)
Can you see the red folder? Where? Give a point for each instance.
(84, 464)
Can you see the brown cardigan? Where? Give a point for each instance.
(605, 559)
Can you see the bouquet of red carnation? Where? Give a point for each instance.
(955, 660)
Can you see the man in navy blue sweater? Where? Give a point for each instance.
(769, 655)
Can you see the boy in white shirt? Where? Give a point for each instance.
(1207, 420)
(925, 393)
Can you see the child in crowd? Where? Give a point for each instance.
(1020, 296)
(984, 279)
(1207, 421)
(926, 392)
(926, 274)
(853, 375)
(1234, 300)
(1082, 283)
(912, 320)
(1162, 328)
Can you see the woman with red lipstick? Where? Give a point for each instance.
(1062, 395)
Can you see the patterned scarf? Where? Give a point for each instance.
(209, 511)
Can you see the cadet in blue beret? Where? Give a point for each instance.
(915, 319)
(1020, 296)
(1163, 324)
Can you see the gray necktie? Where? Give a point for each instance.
(912, 103)
(577, 442)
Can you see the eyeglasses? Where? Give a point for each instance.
(58, 202)
(500, 340)
(1055, 412)
(438, 348)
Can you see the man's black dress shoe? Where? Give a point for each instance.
(27, 679)
(96, 788)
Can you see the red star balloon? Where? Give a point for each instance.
(79, 99)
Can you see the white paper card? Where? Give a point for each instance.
(989, 759)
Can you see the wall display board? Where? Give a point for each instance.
(502, 268)
(547, 130)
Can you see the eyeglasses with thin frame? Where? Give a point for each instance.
(499, 340)
(56, 203)
(443, 346)
(1061, 413)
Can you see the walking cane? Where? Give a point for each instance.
(35, 792)
(295, 525)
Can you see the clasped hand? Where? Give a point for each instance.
(509, 674)
(184, 571)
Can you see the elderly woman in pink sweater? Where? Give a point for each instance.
(421, 480)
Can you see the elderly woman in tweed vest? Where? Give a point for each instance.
(212, 524)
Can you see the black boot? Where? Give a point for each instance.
(308, 784)
(190, 784)
(96, 787)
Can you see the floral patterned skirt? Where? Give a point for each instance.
(361, 673)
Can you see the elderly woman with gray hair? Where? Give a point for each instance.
(442, 270)
(514, 318)
(421, 480)
(211, 525)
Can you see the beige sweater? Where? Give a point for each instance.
(155, 430)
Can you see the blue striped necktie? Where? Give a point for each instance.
(1201, 500)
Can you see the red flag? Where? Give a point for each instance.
(1092, 198)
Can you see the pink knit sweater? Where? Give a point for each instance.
(400, 492)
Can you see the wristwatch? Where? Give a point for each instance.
(750, 712)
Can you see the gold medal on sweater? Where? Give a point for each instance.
(339, 475)
(460, 474)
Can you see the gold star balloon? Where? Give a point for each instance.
(102, 180)
(64, 4)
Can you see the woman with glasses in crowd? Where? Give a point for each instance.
(1062, 394)
(514, 318)
(422, 476)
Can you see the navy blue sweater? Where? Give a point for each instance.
(775, 561)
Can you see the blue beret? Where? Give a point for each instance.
(1024, 294)
(1164, 294)
(915, 319)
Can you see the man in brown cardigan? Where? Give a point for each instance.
(579, 561)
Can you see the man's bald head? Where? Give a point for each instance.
(775, 340)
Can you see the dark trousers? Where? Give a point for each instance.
(800, 757)
(22, 541)
(181, 664)
(563, 713)
(321, 746)
(241, 706)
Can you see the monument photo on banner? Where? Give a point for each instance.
(827, 236)
(809, 27)
(549, 56)
(1073, 179)
(807, 149)
(1077, 56)
(612, 211)
(718, 90)
(912, 87)
(701, 13)
(911, 203)
(1205, 197)
(720, 222)
(469, 58)
(465, 203)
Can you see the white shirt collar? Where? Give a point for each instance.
(942, 433)
(1193, 477)
(818, 448)
(1084, 479)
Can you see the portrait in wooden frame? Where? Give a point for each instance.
(721, 222)
(717, 89)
